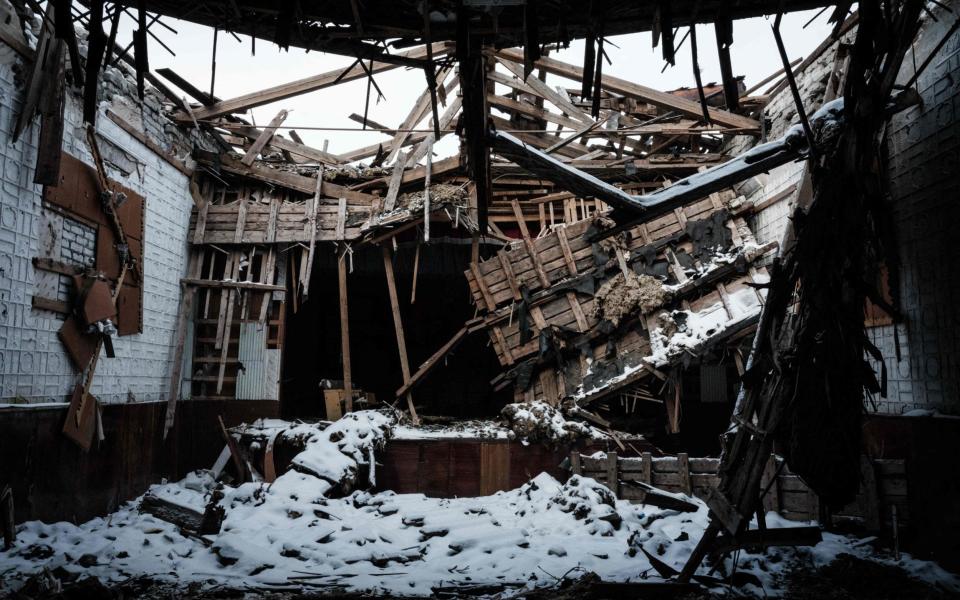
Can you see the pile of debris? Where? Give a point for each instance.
(295, 534)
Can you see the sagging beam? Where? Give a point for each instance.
(565, 176)
(639, 92)
(280, 143)
(302, 86)
(293, 181)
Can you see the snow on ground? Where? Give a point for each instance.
(293, 532)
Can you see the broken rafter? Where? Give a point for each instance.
(264, 138)
(301, 86)
(293, 181)
(639, 92)
(280, 143)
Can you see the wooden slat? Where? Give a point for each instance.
(567, 254)
(303, 86)
(637, 91)
(482, 286)
(264, 138)
(398, 328)
(528, 243)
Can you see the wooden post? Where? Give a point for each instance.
(871, 499)
(426, 191)
(613, 479)
(345, 328)
(683, 469)
(771, 500)
(398, 328)
(576, 466)
(183, 320)
(646, 474)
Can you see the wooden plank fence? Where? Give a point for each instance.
(883, 485)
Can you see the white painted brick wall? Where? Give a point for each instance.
(33, 365)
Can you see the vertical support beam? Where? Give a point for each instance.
(345, 328)
(576, 465)
(398, 328)
(724, 30)
(183, 320)
(871, 497)
(646, 466)
(683, 469)
(613, 478)
(475, 112)
(771, 500)
(426, 190)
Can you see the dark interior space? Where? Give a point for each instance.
(708, 390)
(459, 387)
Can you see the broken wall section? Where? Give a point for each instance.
(776, 194)
(33, 364)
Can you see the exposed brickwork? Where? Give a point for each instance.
(78, 243)
(924, 156)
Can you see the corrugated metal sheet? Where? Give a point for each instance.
(713, 383)
(259, 376)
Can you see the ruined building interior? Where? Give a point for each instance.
(556, 331)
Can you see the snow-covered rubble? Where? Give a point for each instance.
(292, 532)
(540, 422)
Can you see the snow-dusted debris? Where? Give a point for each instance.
(335, 453)
(540, 422)
(292, 532)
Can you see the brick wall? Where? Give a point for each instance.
(924, 157)
(924, 154)
(33, 365)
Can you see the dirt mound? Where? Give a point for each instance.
(622, 296)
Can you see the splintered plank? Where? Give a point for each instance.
(201, 222)
(433, 361)
(341, 219)
(264, 138)
(482, 286)
(306, 85)
(567, 254)
(508, 274)
(528, 243)
(639, 92)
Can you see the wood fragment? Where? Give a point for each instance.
(261, 142)
(398, 329)
(345, 327)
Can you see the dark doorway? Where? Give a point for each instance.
(459, 387)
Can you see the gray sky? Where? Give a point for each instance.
(754, 55)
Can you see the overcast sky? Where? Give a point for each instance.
(754, 55)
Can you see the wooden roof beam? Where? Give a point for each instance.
(303, 86)
(637, 91)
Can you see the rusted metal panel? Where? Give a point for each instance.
(80, 345)
(77, 193)
(130, 310)
(108, 262)
(131, 214)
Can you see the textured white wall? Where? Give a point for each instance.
(33, 365)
